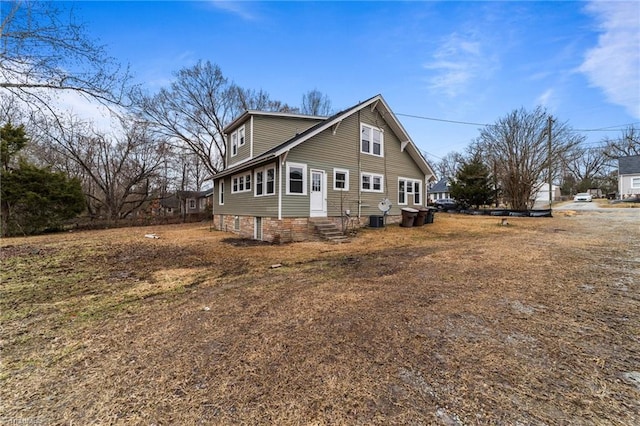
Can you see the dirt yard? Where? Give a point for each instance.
(460, 322)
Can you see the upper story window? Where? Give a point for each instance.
(340, 179)
(409, 190)
(371, 140)
(296, 178)
(371, 182)
(241, 136)
(237, 139)
(265, 181)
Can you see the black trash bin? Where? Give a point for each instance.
(420, 217)
(431, 213)
(408, 217)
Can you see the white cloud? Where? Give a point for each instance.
(614, 64)
(546, 98)
(244, 10)
(456, 64)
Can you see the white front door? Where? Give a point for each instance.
(318, 194)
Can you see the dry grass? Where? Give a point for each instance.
(459, 322)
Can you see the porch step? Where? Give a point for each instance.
(328, 231)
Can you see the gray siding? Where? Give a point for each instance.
(245, 203)
(244, 151)
(271, 131)
(327, 151)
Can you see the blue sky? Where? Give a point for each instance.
(461, 61)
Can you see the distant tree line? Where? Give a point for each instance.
(160, 143)
(513, 157)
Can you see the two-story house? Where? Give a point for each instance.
(286, 170)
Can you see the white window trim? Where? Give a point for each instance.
(264, 180)
(412, 193)
(635, 182)
(372, 175)
(242, 176)
(241, 132)
(221, 193)
(192, 203)
(304, 178)
(368, 126)
(346, 183)
(234, 143)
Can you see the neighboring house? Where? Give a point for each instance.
(440, 190)
(628, 176)
(540, 194)
(187, 202)
(284, 171)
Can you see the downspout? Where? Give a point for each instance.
(359, 167)
(251, 140)
(283, 158)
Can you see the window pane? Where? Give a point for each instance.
(377, 146)
(340, 180)
(241, 183)
(377, 183)
(235, 184)
(366, 182)
(365, 138)
(247, 182)
(316, 185)
(259, 184)
(271, 173)
(242, 136)
(295, 180)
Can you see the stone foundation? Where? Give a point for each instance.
(285, 230)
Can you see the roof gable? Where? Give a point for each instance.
(376, 102)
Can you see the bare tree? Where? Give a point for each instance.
(44, 50)
(193, 112)
(260, 100)
(588, 166)
(119, 172)
(517, 145)
(315, 102)
(627, 145)
(449, 165)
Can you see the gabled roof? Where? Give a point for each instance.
(440, 186)
(629, 165)
(376, 101)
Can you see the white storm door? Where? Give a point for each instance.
(318, 194)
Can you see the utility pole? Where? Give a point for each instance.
(549, 138)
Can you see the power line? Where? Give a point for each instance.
(443, 120)
(470, 123)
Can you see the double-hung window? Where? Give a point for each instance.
(265, 181)
(635, 182)
(221, 193)
(371, 182)
(234, 144)
(340, 180)
(237, 140)
(371, 140)
(296, 179)
(409, 191)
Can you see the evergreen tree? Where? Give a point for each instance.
(33, 199)
(472, 184)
